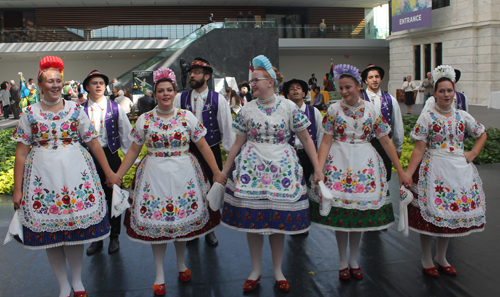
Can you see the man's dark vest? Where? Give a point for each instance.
(309, 112)
(111, 124)
(209, 115)
(386, 108)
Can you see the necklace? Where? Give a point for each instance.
(266, 100)
(443, 111)
(165, 111)
(51, 103)
(353, 106)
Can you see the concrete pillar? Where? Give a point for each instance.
(422, 63)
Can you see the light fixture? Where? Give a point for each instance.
(87, 57)
(111, 56)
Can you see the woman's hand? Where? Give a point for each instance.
(113, 179)
(470, 156)
(220, 177)
(318, 176)
(16, 198)
(405, 179)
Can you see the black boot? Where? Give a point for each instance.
(114, 244)
(94, 247)
(211, 239)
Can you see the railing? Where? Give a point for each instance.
(106, 33)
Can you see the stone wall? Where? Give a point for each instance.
(469, 32)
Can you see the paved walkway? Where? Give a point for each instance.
(391, 263)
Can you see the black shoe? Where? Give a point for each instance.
(94, 247)
(211, 239)
(114, 245)
(305, 234)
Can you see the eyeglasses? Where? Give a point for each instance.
(255, 80)
(195, 72)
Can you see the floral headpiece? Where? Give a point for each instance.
(443, 71)
(263, 61)
(346, 69)
(51, 62)
(164, 73)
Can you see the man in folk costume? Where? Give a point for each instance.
(212, 110)
(459, 99)
(113, 128)
(373, 76)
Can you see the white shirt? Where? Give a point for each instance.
(408, 87)
(319, 135)
(97, 112)
(124, 102)
(398, 131)
(431, 102)
(224, 118)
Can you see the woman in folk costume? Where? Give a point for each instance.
(448, 198)
(56, 188)
(170, 187)
(355, 172)
(266, 191)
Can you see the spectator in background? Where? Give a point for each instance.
(251, 19)
(114, 94)
(240, 19)
(227, 95)
(79, 88)
(313, 82)
(146, 103)
(319, 99)
(5, 98)
(15, 97)
(66, 91)
(116, 84)
(124, 102)
(408, 87)
(428, 86)
(322, 29)
(80, 100)
(210, 19)
(235, 102)
(245, 94)
(31, 85)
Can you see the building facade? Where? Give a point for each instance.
(465, 35)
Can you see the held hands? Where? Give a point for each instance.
(113, 179)
(405, 179)
(318, 176)
(16, 198)
(470, 156)
(220, 177)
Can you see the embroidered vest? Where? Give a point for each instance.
(111, 124)
(386, 107)
(209, 115)
(461, 101)
(309, 112)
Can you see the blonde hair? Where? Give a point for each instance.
(279, 77)
(40, 77)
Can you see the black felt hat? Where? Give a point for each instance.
(200, 63)
(92, 74)
(370, 67)
(458, 73)
(286, 86)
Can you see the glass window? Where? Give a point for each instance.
(440, 3)
(416, 65)
(438, 47)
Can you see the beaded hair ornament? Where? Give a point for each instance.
(51, 62)
(348, 70)
(263, 61)
(444, 71)
(164, 73)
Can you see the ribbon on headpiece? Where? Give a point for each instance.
(164, 73)
(348, 70)
(263, 61)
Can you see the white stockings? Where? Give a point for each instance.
(441, 247)
(354, 239)
(57, 258)
(159, 257)
(255, 244)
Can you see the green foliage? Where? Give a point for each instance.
(491, 150)
(129, 176)
(7, 157)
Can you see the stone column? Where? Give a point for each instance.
(422, 63)
(433, 57)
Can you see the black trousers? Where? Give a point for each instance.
(114, 162)
(204, 165)
(306, 164)
(387, 161)
(16, 109)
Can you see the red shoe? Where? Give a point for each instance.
(432, 271)
(344, 273)
(250, 285)
(283, 285)
(448, 269)
(159, 289)
(185, 276)
(80, 294)
(357, 273)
